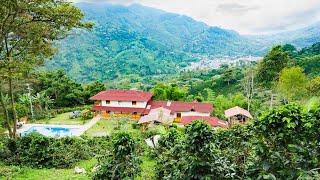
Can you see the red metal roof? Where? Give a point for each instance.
(213, 121)
(176, 106)
(117, 109)
(123, 95)
(237, 110)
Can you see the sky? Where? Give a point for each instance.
(244, 16)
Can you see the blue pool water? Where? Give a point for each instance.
(52, 131)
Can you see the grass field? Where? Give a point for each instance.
(108, 125)
(22, 173)
(62, 119)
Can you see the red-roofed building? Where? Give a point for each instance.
(138, 103)
(237, 115)
(121, 102)
(213, 121)
(180, 109)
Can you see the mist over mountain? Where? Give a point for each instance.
(143, 41)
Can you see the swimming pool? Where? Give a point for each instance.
(52, 131)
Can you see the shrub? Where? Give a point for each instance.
(86, 114)
(35, 150)
(68, 109)
(122, 162)
(159, 129)
(135, 125)
(175, 125)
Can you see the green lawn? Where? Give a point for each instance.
(62, 119)
(20, 173)
(108, 125)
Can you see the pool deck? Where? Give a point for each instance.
(81, 128)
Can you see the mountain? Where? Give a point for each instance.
(300, 38)
(146, 42)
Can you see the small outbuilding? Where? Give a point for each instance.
(237, 115)
(159, 115)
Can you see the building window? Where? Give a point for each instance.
(134, 103)
(178, 115)
(107, 102)
(135, 113)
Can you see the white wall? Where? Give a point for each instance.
(192, 113)
(124, 104)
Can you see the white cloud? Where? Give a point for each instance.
(244, 16)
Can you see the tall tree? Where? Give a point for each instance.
(292, 83)
(28, 30)
(228, 75)
(93, 88)
(248, 84)
(271, 65)
(314, 87)
(65, 91)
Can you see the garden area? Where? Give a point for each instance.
(83, 151)
(289, 149)
(63, 119)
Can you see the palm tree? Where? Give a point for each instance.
(47, 102)
(39, 100)
(24, 99)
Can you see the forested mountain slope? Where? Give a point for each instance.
(145, 41)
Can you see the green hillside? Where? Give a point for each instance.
(146, 42)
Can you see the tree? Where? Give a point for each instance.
(203, 160)
(122, 162)
(281, 143)
(289, 48)
(93, 88)
(209, 95)
(64, 91)
(314, 87)
(248, 84)
(292, 83)
(28, 32)
(271, 65)
(228, 75)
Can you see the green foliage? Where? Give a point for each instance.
(135, 125)
(22, 110)
(310, 51)
(86, 114)
(310, 64)
(93, 88)
(193, 157)
(228, 75)
(292, 83)
(56, 84)
(156, 130)
(271, 65)
(314, 86)
(284, 147)
(223, 103)
(168, 92)
(35, 150)
(122, 162)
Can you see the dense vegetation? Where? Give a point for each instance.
(139, 40)
(281, 142)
